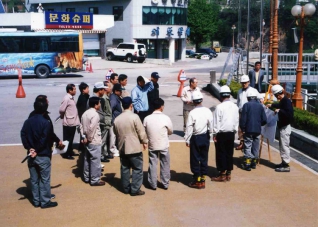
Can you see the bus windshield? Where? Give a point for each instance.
(40, 53)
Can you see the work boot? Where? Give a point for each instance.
(284, 167)
(240, 146)
(247, 164)
(228, 175)
(253, 163)
(220, 178)
(203, 177)
(196, 183)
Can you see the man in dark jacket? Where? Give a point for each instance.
(82, 99)
(252, 119)
(285, 115)
(153, 94)
(35, 135)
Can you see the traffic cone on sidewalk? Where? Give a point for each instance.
(20, 92)
(87, 67)
(90, 68)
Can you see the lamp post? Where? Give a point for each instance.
(275, 41)
(301, 13)
(233, 29)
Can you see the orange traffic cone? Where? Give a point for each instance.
(90, 68)
(20, 92)
(87, 67)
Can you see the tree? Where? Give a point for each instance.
(202, 20)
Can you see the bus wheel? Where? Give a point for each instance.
(42, 72)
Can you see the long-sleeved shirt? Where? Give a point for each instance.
(90, 126)
(82, 104)
(158, 126)
(200, 121)
(35, 134)
(68, 111)
(226, 117)
(253, 117)
(139, 97)
(242, 97)
(187, 97)
(130, 133)
(124, 92)
(152, 95)
(286, 112)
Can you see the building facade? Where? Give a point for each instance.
(160, 24)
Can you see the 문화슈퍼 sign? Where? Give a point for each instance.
(68, 20)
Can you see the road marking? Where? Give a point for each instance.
(9, 145)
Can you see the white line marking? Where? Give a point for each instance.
(9, 145)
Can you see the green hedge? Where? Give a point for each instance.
(303, 119)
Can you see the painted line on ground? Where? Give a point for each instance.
(10, 145)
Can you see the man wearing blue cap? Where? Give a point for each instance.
(130, 133)
(153, 94)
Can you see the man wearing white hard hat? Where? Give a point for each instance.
(241, 100)
(251, 122)
(225, 125)
(285, 117)
(197, 137)
(140, 98)
(40, 8)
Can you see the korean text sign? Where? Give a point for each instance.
(68, 20)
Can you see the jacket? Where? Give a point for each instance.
(225, 118)
(158, 127)
(124, 92)
(82, 104)
(253, 117)
(286, 112)
(187, 97)
(53, 137)
(115, 103)
(108, 112)
(139, 97)
(130, 133)
(242, 98)
(35, 134)
(68, 111)
(90, 126)
(152, 95)
(252, 75)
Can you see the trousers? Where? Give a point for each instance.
(185, 119)
(104, 147)
(224, 151)
(112, 141)
(134, 162)
(284, 140)
(68, 134)
(40, 176)
(199, 150)
(251, 145)
(92, 169)
(164, 157)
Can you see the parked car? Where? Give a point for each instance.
(208, 51)
(127, 51)
(189, 53)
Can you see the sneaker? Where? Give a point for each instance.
(138, 193)
(102, 166)
(49, 205)
(247, 164)
(116, 155)
(100, 183)
(279, 165)
(283, 169)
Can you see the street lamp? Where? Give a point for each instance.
(233, 28)
(301, 13)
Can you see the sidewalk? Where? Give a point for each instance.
(261, 197)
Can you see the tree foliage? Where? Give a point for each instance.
(203, 20)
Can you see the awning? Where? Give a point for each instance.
(70, 30)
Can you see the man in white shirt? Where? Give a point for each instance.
(158, 128)
(225, 125)
(197, 137)
(186, 98)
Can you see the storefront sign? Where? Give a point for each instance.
(180, 31)
(155, 32)
(169, 31)
(68, 20)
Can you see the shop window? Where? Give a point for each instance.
(118, 13)
(164, 15)
(93, 10)
(70, 9)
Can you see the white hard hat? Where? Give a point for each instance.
(225, 91)
(251, 92)
(244, 79)
(40, 4)
(197, 96)
(277, 89)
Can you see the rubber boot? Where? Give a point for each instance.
(196, 183)
(253, 163)
(247, 164)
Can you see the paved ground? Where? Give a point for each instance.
(257, 198)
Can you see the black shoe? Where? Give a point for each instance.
(49, 205)
(137, 193)
(52, 196)
(279, 165)
(100, 183)
(36, 206)
(253, 164)
(104, 160)
(110, 156)
(69, 157)
(152, 188)
(74, 154)
(246, 167)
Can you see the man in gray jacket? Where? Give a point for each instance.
(130, 133)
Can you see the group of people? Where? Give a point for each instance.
(112, 124)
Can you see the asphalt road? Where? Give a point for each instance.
(15, 111)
